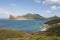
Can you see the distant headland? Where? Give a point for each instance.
(27, 17)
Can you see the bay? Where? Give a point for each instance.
(29, 26)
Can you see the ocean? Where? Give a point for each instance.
(29, 26)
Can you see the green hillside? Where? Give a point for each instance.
(26, 17)
(12, 34)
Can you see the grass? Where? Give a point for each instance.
(12, 34)
(40, 37)
(35, 37)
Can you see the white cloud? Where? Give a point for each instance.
(37, 1)
(7, 13)
(3, 11)
(48, 11)
(54, 8)
(51, 1)
(12, 4)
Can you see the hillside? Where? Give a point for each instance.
(12, 34)
(53, 28)
(26, 17)
(53, 21)
(18, 35)
(52, 31)
(54, 17)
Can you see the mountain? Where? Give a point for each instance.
(54, 17)
(11, 17)
(53, 21)
(26, 17)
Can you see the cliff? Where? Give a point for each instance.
(26, 17)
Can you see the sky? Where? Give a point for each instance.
(45, 8)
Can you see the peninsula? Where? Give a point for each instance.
(27, 17)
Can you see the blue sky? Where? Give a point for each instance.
(46, 8)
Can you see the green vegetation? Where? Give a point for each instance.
(12, 34)
(27, 17)
(41, 37)
(11, 17)
(34, 37)
(33, 16)
(53, 21)
(54, 30)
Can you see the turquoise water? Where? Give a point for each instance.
(29, 26)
